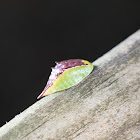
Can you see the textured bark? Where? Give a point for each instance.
(104, 106)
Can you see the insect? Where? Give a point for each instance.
(66, 74)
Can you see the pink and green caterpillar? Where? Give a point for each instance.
(67, 74)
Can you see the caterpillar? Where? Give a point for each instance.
(66, 74)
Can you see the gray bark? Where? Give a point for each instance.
(104, 106)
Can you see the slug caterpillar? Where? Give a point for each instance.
(66, 74)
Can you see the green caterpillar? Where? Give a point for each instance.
(67, 74)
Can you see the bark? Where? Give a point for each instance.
(104, 106)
